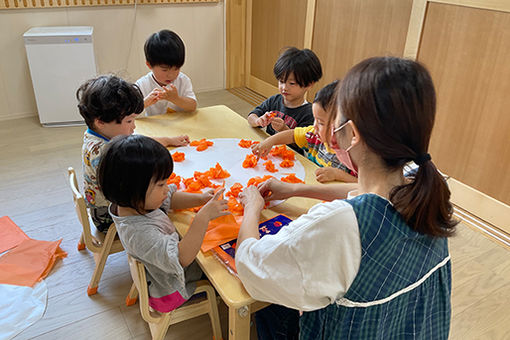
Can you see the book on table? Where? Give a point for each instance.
(225, 252)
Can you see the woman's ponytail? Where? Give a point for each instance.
(425, 202)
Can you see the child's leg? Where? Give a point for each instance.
(278, 323)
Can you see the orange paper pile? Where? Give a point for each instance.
(178, 156)
(202, 144)
(283, 152)
(270, 166)
(286, 163)
(291, 179)
(250, 161)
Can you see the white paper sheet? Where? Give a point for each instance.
(20, 307)
(230, 155)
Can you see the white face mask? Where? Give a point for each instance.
(342, 155)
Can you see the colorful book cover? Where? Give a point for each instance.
(226, 252)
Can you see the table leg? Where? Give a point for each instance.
(239, 323)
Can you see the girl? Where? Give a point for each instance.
(312, 140)
(375, 265)
(132, 175)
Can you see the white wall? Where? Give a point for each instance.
(118, 41)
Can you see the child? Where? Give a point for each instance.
(166, 87)
(312, 140)
(109, 106)
(296, 71)
(132, 175)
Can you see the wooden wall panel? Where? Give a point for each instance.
(275, 24)
(467, 52)
(348, 31)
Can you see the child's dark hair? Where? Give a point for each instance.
(164, 48)
(392, 102)
(304, 64)
(127, 167)
(325, 97)
(108, 98)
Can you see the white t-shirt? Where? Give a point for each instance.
(309, 263)
(147, 83)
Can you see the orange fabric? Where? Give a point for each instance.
(10, 234)
(30, 262)
(221, 230)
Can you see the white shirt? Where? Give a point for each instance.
(309, 264)
(147, 83)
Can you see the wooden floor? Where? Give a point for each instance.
(34, 193)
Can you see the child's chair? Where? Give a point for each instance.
(99, 244)
(159, 322)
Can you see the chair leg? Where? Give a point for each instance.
(158, 330)
(213, 313)
(81, 243)
(100, 259)
(132, 296)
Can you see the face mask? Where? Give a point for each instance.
(342, 155)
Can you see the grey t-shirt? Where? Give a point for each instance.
(153, 240)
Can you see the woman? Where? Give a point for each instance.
(374, 265)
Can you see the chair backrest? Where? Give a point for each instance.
(81, 211)
(137, 270)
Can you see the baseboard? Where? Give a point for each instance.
(9, 116)
(247, 95)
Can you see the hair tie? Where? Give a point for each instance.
(424, 157)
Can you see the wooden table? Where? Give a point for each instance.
(221, 122)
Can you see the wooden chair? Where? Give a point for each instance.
(99, 244)
(159, 322)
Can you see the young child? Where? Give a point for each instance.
(296, 71)
(109, 106)
(312, 140)
(166, 87)
(133, 174)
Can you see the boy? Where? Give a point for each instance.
(109, 106)
(296, 71)
(312, 140)
(166, 88)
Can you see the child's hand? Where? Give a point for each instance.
(178, 140)
(216, 207)
(169, 93)
(206, 196)
(278, 124)
(151, 98)
(262, 149)
(264, 120)
(325, 174)
(251, 198)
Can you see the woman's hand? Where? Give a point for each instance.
(275, 190)
(251, 199)
(215, 207)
